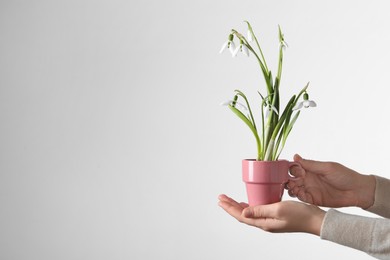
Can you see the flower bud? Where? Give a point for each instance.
(234, 101)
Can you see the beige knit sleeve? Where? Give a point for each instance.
(381, 205)
(370, 235)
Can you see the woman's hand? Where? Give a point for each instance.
(330, 184)
(286, 216)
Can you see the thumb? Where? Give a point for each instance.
(261, 211)
(310, 165)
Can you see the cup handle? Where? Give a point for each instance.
(292, 164)
(290, 177)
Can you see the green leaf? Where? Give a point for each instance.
(277, 146)
(290, 125)
(240, 93)
(258, 45)
(283, 117)
(287, 132)
(251, 127)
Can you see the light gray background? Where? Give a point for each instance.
(112, 141)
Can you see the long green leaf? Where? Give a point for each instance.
(290, 125)
(249, 124)
(240, 93)
(287, 132)
(283, 117)
(258, 45)
(274, 156)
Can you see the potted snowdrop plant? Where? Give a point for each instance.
(266, 175)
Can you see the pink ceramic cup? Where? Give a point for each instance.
(265, 180)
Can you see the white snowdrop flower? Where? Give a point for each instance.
(241, 48)
(268, 110)
(229, 44)
(234, 104)
(306, 103)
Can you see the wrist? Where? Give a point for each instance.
(366, 191)
(316, 221)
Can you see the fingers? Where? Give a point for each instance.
(270, 218)
(224, 198)
(310, 165)
(297, 158)
(295, 192)
(296, 189)
(231, 206)
(235, 209)
(297, 172)
(239, 210)
(293, 183)
(244, 205)
(263, 211)
(301, 194)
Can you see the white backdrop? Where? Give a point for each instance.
(112, 141)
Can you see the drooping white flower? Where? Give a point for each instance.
(306, 103)
(268, 110)
(229, 44)
(268, 105)
(234, 104)
(241, 48)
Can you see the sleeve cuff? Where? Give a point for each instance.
(370, 235)
(348, 230)
(381, 204)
